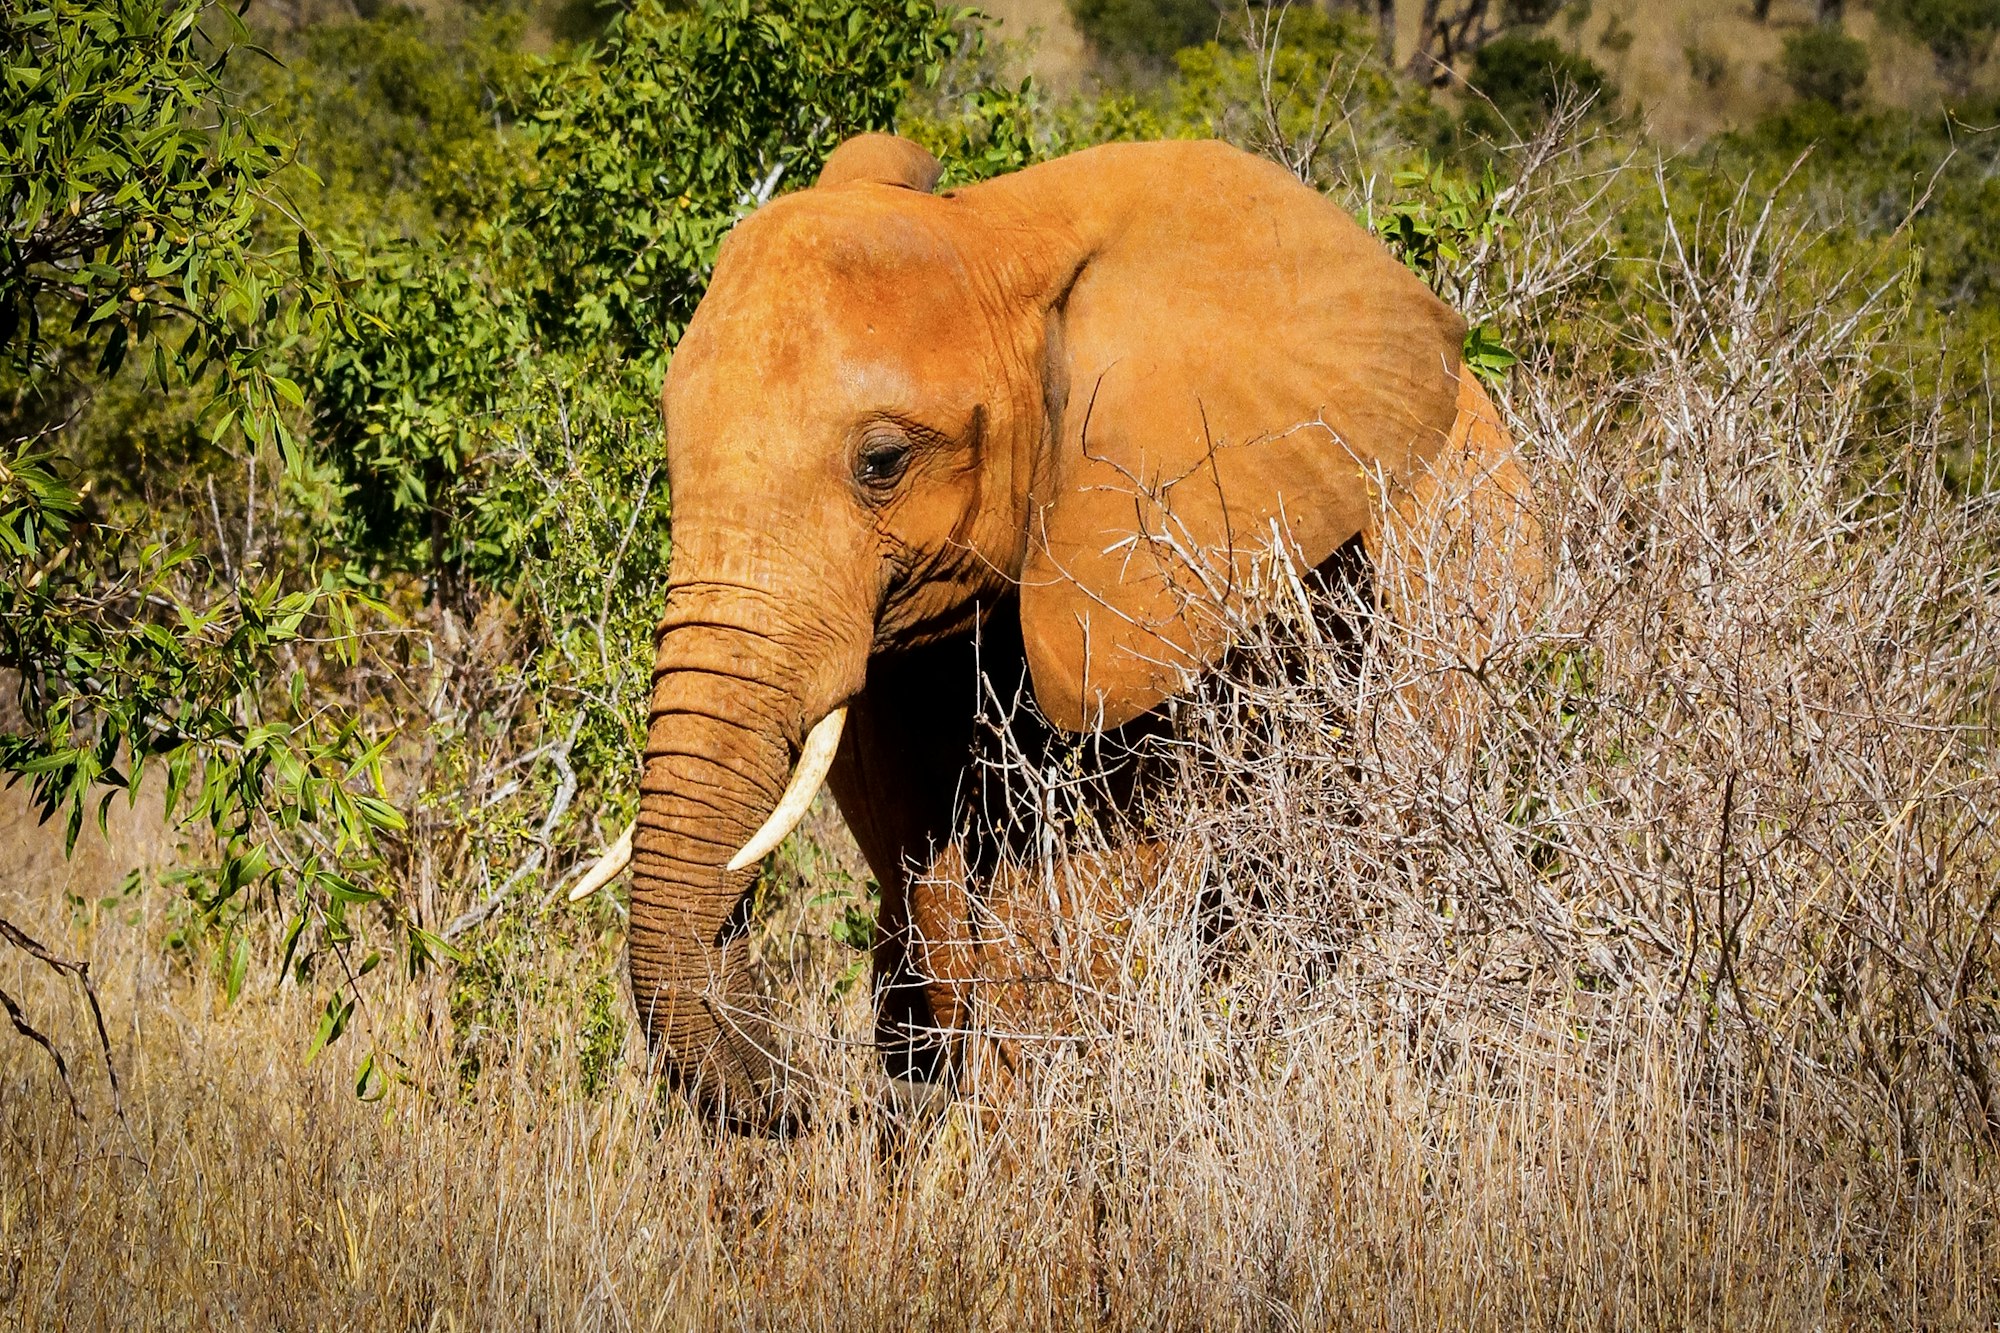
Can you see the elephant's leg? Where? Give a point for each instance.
(1025, 954)
(900, 769)
(954, 955)
(945, 956)
(977, 969)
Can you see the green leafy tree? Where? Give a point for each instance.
(147, 240)
(645, 156)
(134, 186)
(636, 160)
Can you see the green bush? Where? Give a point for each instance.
(1824, 64)
(1706, 65)
(150, 253)
(1521, 77)
(1144, 31)
(634, 161)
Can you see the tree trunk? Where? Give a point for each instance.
(1385, 30)
(1423, 65)
(1444, 36)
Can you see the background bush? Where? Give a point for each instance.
(1959, 33)
(1523, 76)
(1823, 63)
(1147, 31)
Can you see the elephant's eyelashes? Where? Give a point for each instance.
(881, 463)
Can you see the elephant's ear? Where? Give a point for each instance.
(1235, 364)
(885, 158)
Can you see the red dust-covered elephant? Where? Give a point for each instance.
(1045, 420)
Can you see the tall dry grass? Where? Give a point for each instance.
(1628, 962)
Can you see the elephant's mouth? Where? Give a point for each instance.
(808, 776)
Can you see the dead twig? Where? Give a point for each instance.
(80, 969)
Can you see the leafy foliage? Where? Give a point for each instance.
(637, 160)
(1441, 225)
(992, 131)
(410, 406)
(1824, 63)
(506, 974)
(644, 157)
(139, 193)
(1521, 77)
(1146, 30)
(134, 184)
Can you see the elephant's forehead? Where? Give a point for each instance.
(846, 304)
(814, 338)
(865, 236)
(839, 267)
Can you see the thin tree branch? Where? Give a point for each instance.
(80, 969)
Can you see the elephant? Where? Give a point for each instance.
(1040, 427)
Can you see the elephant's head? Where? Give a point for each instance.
(1103, 384)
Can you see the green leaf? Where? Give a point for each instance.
(239, 965)
(292, 934)
(1487, 356)
(369, 1083)
(332, 1024)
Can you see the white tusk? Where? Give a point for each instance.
(814, 760)
(616, 857)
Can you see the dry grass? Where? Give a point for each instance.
(1645, 46)
(1635, 971)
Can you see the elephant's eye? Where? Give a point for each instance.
(881, 463)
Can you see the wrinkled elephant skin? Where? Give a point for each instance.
(1043, 418)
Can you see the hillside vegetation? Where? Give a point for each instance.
(1634, 966)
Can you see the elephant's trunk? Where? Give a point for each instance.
(730, 707)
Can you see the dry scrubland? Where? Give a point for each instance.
(1650, 48)
(1642, 976)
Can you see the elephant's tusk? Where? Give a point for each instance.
(616, 857)
(814, 760)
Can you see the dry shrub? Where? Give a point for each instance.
(1722, 772)
(1626, 962)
